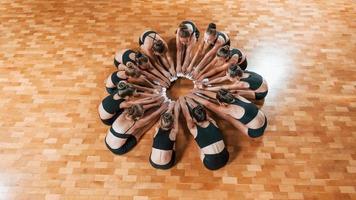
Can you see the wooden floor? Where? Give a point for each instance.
(55, 55)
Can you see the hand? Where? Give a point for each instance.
(179, 70)
(195, 74)
(158, 88)
(188, 69)
(172, 72)
(200, 86)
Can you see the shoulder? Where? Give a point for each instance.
(224, 35)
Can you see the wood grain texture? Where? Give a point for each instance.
(55, 56)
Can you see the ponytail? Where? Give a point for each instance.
(211, 30)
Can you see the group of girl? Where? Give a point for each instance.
(137, 99)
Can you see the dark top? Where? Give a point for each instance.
(126, 56)
(142, 41)
(122, 135)
(195, 29)
(238, 52)
(254, 80)
(112, 105)
(251, 111)
(115, 79)
(207, 136)
(162, 140)
(227, 40)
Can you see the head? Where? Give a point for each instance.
(224, 96)
(141, 60)
(211, 33)
(133, 72)
(167, 120)
(234, 71)
(125, 89)
(130, 64)
(158, 47)
(199, 113)
(135, 112)
(223, 53)
(184, 34)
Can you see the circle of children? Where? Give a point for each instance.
(137, 95)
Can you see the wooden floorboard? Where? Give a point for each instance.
(55, 56)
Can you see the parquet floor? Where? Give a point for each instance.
(55, 55)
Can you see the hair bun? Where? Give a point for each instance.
(233, 67)
(212, 26)
(167, 116)
(122, 85)
(136, 111)
(223, 91)
(139, 55)
(183, 26)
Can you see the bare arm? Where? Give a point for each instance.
(162, 70)
(154, 104)
(176, 117)
(158, 74)
(200, 71)
(190, 102)
(197, 54)
(233, 86)
(146, 119)
(153, 58)
(188, 53)
(218, 75)
(142, 88)
(147, 81)
(186, 113)
(218, 80)
(143, 101)
(170, 62)
(211, 95)
(216, 108)
(212, 72)
(178, 54)
(207, 56)
(144, 94)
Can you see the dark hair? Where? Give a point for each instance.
(224, 51)
(141, 58)
(211, 30)
(125, 89)
(223, 95)
(167, 120)
(199, 113)
(158, 46)
(183, 31)
(135, 111)
(234, 70)
(133, 72)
